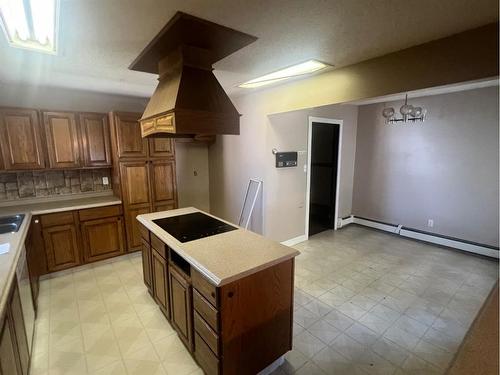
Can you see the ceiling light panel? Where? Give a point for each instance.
(31, 24)
(306, 67)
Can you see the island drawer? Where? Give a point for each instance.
(59, 218)
(206, 289)
(204, 356)
(159, 246)
(207, 334)
(206, 310)
(100, 212)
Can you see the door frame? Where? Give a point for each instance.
(308, 170)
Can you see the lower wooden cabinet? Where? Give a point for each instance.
(181, 310)
(102, 238)
(14, 351)
(61, 247)
(159, 268)
(9, 357)
(134, 239)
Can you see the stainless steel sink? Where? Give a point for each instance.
(10, 224)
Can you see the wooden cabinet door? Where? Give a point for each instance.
(181, 306)
(20, 139)
(19, 330)
(147, 265)
(63, 146)
(133, 229)
(61, 247)
(9, 357)
(161, 147)
(94, 129)
(102, 238)
(129, 142)
(159, 206)
(163, 182)
(135, 182)
(159, 270)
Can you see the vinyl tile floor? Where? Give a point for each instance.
(366, 302)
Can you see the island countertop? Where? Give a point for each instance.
(224, 257)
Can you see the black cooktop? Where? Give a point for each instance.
(190, 227)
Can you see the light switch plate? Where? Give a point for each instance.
(105, 181)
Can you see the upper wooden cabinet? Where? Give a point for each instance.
(161, 148)
(163, 182)
(20, 139)
(96, 147)
(126, 133)
(135, 182)
(63, 147)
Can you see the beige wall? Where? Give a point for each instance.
(235, 159)
(445, 169)
(192, 190)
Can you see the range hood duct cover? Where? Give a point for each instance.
(188, 100)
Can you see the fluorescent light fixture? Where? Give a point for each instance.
(31, 24)
(306, 67)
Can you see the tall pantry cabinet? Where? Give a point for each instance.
(143, 172)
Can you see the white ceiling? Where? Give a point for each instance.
(99, 38)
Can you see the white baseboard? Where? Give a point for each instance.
(345, 221)
(426, 237)
(450, 243)
(294, 241)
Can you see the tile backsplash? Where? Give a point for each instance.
(34, 184)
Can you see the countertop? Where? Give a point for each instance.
(224, 257)
(13, 242)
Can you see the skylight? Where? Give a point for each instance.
(30, 24)
(306, 67)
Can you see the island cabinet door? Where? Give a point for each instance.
(147, 266)
(61, 247)
(159, 270)
(182, 312)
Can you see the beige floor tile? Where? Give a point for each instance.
(308, 344)
(402, 338)
(362, 334)
(294, 360)
(375, 323)
(324, 331)
(339, 320)
(348, 347)
(390, 351)
(165, 347)
(116, 368)
(179, 363)
(67, 363)
(433, 354)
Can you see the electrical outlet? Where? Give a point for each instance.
(105, 181)
(195, 173)
(430, 223)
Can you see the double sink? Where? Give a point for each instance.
(10, 224)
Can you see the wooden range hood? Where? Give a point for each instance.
(189, 101)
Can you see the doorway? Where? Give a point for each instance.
(323, 174)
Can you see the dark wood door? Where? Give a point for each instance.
(63, 146)
(16, 313)
(159, 270)
(133, 229)
(163, 182)
(9, 357)
(96, 146)
(161, 148)
(161, 206)
(129, 142)
(135, 182)
(181, 310)
(102, 238)
(147, 265)
(61, 247)
(20, 139)
(36, 257)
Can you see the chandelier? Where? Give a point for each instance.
(408, 112)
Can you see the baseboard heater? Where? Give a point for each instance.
(456, 243)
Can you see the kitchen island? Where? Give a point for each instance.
(229, 294)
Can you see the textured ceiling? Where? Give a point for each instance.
(99, 38)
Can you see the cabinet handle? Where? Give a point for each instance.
(36, 221)
(230, 294)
